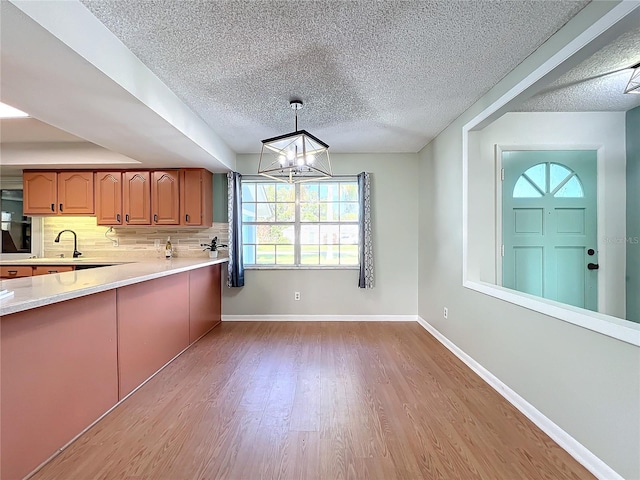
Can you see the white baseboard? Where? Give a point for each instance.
(319, 318)
(574, 448)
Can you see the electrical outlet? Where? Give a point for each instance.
(446, 312)
(156, 243)
(296, 295)
(116, 242)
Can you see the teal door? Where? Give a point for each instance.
(549, 225)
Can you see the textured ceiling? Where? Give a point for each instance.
(597, 84)
(383, 76)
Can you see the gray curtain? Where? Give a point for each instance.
(235, 276)
(366, 278)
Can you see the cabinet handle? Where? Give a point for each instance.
(53, 207)
(155, 217)
(187, 217)
(126, 217)
(60, 207)
(53, 271)
(117, 217)
(13, 272)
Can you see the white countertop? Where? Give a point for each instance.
(37, 291)
(34, 262)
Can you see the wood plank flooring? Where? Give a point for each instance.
(288, 400)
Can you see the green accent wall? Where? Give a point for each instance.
(633, 214)
(220, 212)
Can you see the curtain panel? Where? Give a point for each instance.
(366, 277)
(235, 277)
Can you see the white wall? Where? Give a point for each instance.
(587, 383)
(604, 131)
(335, 292)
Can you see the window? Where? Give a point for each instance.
(551, 178)
(16, 228)
(307, 224)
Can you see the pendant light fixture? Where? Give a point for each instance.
(634, 83)
(295, 157)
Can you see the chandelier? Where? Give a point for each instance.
(634, 83)
(295, 157)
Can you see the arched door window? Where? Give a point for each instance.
(548, 179)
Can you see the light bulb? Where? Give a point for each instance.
(282, 160)
(310, 159)
(300, 160)
(290, 155)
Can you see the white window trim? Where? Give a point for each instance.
(297, 224)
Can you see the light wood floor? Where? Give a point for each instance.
(315, 401)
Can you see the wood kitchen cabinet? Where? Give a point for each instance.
(165, 197)
(40, 191)
(58, 193)
(15, 271)
(108, 195)
(136, 198)
(75, 193)
(196, 197)
(47, 269)
(19, 271)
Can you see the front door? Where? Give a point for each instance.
(549, 225)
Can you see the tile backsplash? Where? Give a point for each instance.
(94, 241)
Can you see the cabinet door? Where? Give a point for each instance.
(165, 197)
(136, 195)
(196, 193)
(40, 193)
(47, 269)
(15, 271)
(108, 198)
(75, 193)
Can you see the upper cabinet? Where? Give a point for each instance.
(196, 197)
(174, 197)
(40, 191)
(75, 193)
(165, 197)
(136, 195)
(58, 193)
(108, 198)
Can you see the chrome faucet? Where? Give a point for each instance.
(76, 253)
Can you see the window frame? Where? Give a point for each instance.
(37, 223)
(297, 224)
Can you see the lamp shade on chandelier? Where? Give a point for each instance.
(295, 157)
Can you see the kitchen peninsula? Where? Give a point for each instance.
(74, 344)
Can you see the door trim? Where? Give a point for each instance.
(600, 210)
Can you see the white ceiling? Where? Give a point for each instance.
(31, 130)
(375, 76)
(595, 85)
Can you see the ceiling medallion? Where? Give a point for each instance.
(295, 157)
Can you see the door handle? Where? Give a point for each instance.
(117, 217)
(126, 217)
(53, 207)
(593, 266)
(60, 207)
(155, 218)
(186, 217)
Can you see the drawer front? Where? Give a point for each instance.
(15, 272)
(52, 269)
